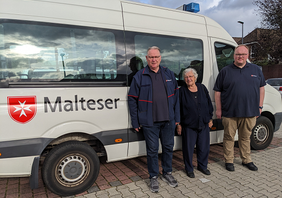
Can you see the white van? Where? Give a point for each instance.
(65, 71)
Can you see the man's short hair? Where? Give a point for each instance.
(153, 47)
(242, 45)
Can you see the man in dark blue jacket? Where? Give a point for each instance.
(154, 106)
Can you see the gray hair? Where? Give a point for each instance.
(153, 47)
(188, 70)
(242, 45)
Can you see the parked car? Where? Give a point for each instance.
(276, 83)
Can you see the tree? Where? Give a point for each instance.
(271, 40)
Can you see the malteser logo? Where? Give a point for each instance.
(22, 109)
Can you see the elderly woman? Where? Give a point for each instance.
(196, 118)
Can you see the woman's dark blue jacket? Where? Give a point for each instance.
(190, 112)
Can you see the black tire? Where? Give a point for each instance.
(70, 168)
(262, 133)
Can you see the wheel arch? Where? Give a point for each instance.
(91, 140)
(270, 116)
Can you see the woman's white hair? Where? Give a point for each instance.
(188, 70)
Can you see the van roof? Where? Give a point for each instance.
(116, 14)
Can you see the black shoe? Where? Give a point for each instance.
(250, 166)
(206, 172)
(229, 166)
(191, 174)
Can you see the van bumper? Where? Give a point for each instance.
(278, 120)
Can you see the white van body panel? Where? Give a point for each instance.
(214, 30)
(16, 167)
(64, 122)
(117, 152)
(271, 100)
(158, 20)
(94, 13)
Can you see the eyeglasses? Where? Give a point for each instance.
(156, 57)
(240, 54)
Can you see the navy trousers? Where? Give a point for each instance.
(165, 132)
(201, 139)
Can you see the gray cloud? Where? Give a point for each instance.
(225, 12)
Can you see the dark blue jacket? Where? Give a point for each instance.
(140, 98)
(192, 115)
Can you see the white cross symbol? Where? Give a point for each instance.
(22, 108)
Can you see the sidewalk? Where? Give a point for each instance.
(266, 182)
(129, 178)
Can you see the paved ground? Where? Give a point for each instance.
(129, 178)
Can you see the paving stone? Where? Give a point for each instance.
(191, 195)
(135, 178)
(112, 192)
(116, 183)
(138, 193)
(93, 189)
(205, 195)
(102, 194)
(125, 192)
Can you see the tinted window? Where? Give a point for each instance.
(224, 54)
(177, 53)
(274, 82)
(44, 52)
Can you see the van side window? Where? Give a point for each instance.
(177, 53)
(224, 54)
(46, 52)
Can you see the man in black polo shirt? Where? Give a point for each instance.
(239, 94)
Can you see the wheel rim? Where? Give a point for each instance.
(72, 170)
(261, 133)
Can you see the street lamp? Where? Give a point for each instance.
(242, 30)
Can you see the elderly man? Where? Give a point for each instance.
(154, 106)
(239, 94)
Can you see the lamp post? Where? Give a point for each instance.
(242, 30)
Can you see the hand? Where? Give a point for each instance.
(210, 124)
(178, 129)
(218, 113)
(260, 110)
(137, 129)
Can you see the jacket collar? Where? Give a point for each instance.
(146, 70)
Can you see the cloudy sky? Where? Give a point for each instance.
(225, 12)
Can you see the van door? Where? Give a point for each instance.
(222, 55)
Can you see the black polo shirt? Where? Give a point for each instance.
(240, 90)
(160, 103)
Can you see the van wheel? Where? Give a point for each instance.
(262, 133)
(70, 168)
